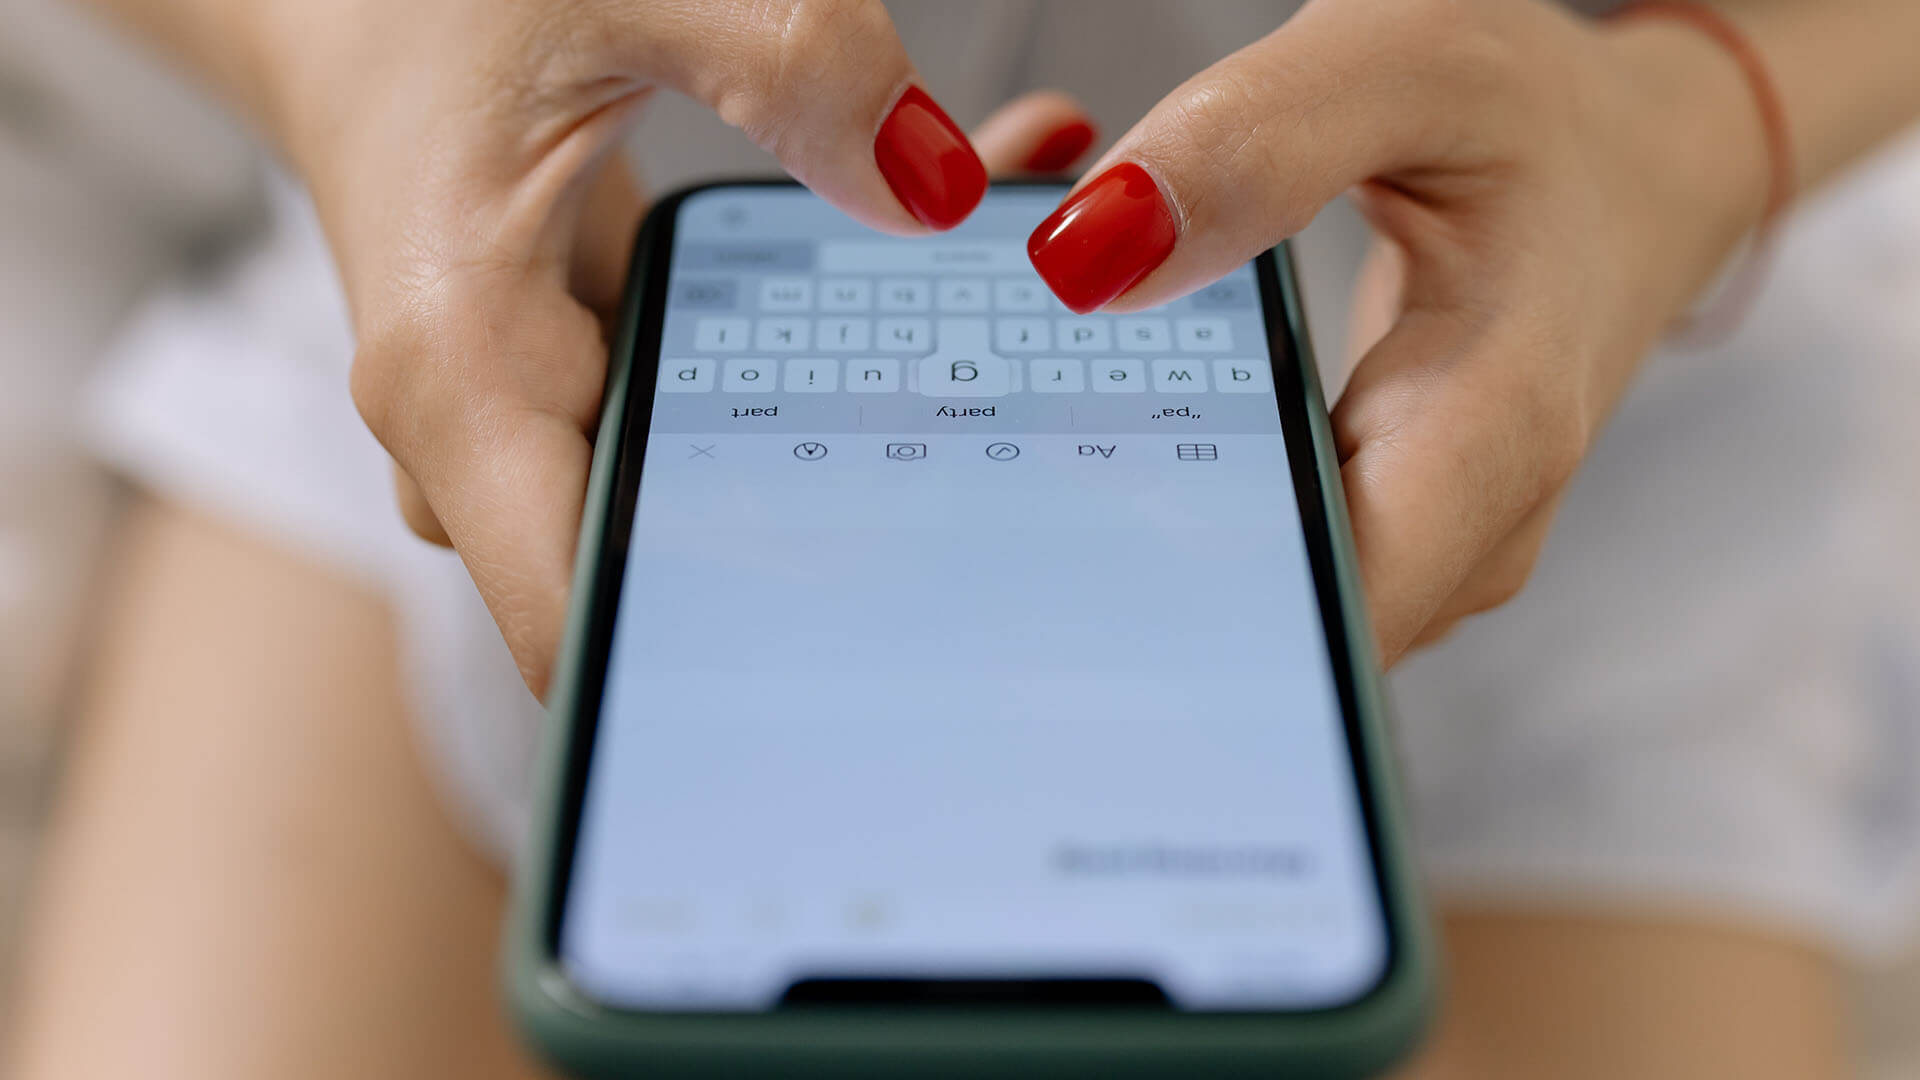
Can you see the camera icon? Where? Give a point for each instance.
(906, 451)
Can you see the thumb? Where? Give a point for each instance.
(1244, 154)
(828, 90)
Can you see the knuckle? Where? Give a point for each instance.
(1496, 581)
(416, 511)
(1467, 39)
(400, 380)
(1218, 127)
(382, 375)
(1447, 23)
(1433, 634)
(821, 32)
(431, 533)
(802, 46)
(432, 381)
(421, 522)
(1506, 578)
(743, 98)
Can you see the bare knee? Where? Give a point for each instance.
(1568, 997)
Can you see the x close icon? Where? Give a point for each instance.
(701, 451)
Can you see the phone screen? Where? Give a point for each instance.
(960, 638)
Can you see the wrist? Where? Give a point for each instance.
(1700, 139)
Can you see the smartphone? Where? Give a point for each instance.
(955, 684)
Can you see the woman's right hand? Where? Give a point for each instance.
(462, 157)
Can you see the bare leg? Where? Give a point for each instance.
(1562, 997)
(250, 878)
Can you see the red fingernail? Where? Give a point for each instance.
(1062, 148)
(1107, 236)
(928, 162)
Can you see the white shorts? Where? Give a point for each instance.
(1709, 696)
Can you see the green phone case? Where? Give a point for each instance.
(590, 1040)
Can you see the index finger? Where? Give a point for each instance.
(1244, 154)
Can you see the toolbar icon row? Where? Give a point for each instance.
(999, 451)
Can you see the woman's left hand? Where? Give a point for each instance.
(1551, 194)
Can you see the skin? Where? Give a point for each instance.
(1551, 195)
(227, 898)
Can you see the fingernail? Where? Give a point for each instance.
(1108, 235)
(928, 162)
(1061, 149)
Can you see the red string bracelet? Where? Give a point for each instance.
(1718, 320)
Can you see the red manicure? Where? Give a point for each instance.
(1108, 235)
(1062, 148)
(928, 162)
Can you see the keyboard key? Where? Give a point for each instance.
(1056, 377)
(1232, 294)
(843, 335)
(813, 376)
(751, 376)
(820, 336)
(703, 294)
(876, 375)
(963, 295)
(1142, 334)
(903, 294)
(1203, 335)
(1082, 334)
(750, 257)
(981, 376)
(786, 294)
(1020, 336)
(846, 294)
(963, 366)
(781, 335)
(720, 335)
(1180, 376)
(686, 376)
(1119, 377)
(1242, 376)
(966, 338)
(1020, 294)
(903, 335)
